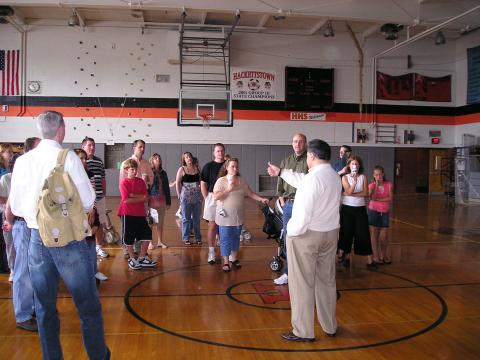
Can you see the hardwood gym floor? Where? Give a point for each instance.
(426, 305)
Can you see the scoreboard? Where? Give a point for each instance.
(308, 88)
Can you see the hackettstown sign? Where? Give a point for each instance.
(251, 84)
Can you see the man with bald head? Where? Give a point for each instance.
(286, 193)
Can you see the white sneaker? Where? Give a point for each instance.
(282, 280)
(211, 258)
(100, 252)
(133, 264)
(146, 262)
(101, 276)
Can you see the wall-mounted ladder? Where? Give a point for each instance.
(385, 133)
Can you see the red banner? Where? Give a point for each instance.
(394, 87)
(433, 89)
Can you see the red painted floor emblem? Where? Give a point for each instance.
(271, 294)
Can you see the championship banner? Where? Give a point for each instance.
(248, 84)
(437, 89)
(473, 88)
(394, 87)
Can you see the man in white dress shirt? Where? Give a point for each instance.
(71, 262)
(312, 243)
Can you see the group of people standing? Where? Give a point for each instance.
(223, 190)
(218, 184)
(328, 216)
(310, 191)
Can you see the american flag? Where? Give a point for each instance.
(9, 65)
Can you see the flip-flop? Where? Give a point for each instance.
(226, 268)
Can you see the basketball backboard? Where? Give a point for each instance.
(205, 107)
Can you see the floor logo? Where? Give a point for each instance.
(271, 294)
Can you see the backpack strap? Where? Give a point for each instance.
(62, 155)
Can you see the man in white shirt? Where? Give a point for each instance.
(312, 243)
(47, 265)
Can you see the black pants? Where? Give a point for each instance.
(354, 230)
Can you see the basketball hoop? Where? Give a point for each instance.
(206, 119)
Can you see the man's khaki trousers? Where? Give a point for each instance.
(311, 281)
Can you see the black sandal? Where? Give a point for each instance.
(226, 268)
(236, 264)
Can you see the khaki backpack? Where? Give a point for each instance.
(60, 215)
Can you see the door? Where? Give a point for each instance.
(435, 185)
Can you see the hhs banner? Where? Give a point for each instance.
(433, 88)
(394, 87)
(473, 89)
(251, 84)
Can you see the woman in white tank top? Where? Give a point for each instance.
(353, 215)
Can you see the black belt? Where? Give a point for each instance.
(290, 198)
(17, 218)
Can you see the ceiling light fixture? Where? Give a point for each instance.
(329, 30)
(391, 31)
(440, 38)
(74, 20)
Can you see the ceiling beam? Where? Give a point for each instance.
(317, 26)
(203, 17)
(371, 30)
(81, 18)
(263, 20)
(18, 16)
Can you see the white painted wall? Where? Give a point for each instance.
(120, 62)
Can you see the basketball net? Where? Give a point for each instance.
(206, 120)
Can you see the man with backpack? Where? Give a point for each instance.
(70, 258)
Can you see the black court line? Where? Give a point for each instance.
(443, 314)
(267, 292)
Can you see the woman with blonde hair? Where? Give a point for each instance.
(229, 192)
(159, 198)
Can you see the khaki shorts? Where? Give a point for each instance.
(210, 208)
(101, 208)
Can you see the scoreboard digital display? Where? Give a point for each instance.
(308, 88)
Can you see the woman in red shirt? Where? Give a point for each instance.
(381, 195)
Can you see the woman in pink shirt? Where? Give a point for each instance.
(381, 195)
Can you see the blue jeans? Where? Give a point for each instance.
(229, 239)
(191, 214)
(93, 252)
(74, 265)
(287, 214)
(23, 301)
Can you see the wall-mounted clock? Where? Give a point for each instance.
(33, 87)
